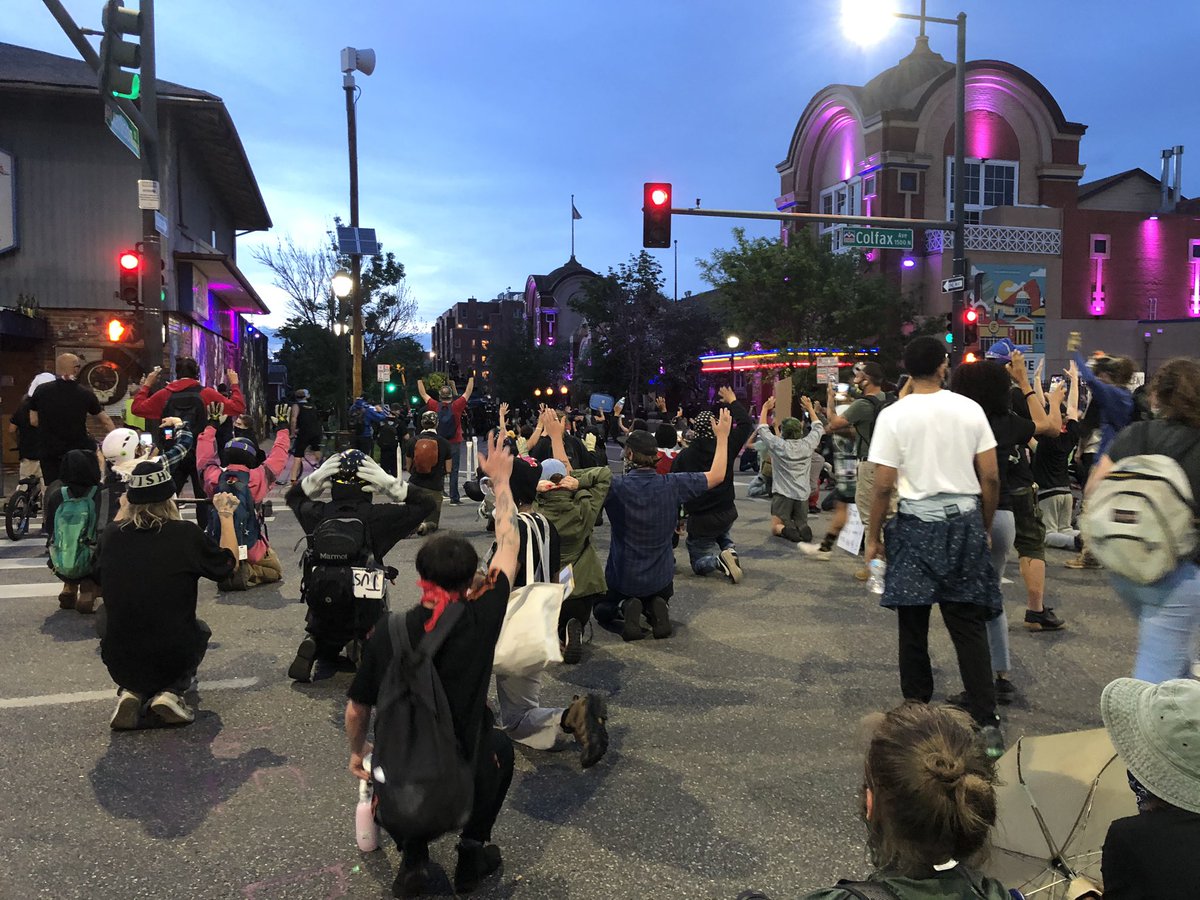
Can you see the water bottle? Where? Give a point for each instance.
(877, 569)
(366, 832)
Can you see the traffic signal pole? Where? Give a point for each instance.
(356, 330)
(152, 300)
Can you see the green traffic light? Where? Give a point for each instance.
(949, 337)
(135, 88)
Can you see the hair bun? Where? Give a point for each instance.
(945, 768)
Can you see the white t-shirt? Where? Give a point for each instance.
(932, 439)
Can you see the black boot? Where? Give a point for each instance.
(476, 862)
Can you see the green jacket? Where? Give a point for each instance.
(573, 514)
(952, 884)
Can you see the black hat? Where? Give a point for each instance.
(151, 482)
(524, 480)
(242, 451)
(641, 442)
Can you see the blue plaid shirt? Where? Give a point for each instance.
(643, 509)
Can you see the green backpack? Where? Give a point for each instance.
(73, 547)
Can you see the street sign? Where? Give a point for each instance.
(148, 194)
(160, 223)
(126, 132)
(383, 373)
(887, 238)
(954, 283)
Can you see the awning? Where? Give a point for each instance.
(227, 282)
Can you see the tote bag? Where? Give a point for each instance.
(528, 639)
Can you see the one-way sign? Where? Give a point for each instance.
(954, 283)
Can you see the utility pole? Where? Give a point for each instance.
(152, 268)
(356, 320)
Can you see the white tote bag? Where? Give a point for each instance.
(528, 639)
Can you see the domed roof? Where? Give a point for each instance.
(571, 267)
(901, 86)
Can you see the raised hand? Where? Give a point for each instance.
(498, 463)
(726, 394)
(216, 412)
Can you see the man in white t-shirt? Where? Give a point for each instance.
(936, 448)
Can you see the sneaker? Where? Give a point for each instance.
(411, 881)
(573, 642)
(728, 562)
(816, 551)
(631, 610)
(125, 716)
(1045, 620)
(456, 503)
(660, 615)
(1084, 560)
(585, 719)
(476, 862)
(1005, 691)
(327, 667)
(172, 709)
(302, 666)
(992, 739)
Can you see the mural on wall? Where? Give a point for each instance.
(1012, 304)
(112, 380)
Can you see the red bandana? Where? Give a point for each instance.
(437, 598)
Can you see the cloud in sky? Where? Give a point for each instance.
(483, 118)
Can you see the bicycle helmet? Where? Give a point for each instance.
(241, 451)
(120, 445)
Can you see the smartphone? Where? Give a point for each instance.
(146, 439)
(1055, 381)
(168, 433)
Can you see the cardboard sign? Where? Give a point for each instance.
(783, 399)
(853, 532)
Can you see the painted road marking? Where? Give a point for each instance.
(24, 563)
(89, 696)
(25, 591)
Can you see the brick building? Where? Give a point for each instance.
(463, 336)
(887, 148)
(69, 204)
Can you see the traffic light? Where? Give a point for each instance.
(129, 266)
(950, 328)
(120, 331)
(414, 400)
(389, 388)
(117, 54)
(656, 214)
(970, 326)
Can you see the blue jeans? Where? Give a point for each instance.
(703, 552)
(456, 453)
(1168, 620)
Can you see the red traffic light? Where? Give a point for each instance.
(130, 261)
(971, 316)
(656, 214)
(117, 331)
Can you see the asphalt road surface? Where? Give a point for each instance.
(734, 760)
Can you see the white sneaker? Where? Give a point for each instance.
(172, 709)
(125, 716)
(729, 564)
(814, 550)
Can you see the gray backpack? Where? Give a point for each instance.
(1140, 521)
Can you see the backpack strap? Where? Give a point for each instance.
(429, 645)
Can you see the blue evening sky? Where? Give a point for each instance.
(484, 116)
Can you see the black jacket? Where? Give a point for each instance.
(1152, 856)
(713, 512)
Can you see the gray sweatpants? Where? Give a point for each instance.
(1004, 532)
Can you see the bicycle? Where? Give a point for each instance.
(23, 507)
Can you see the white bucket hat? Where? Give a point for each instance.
(1156, 730)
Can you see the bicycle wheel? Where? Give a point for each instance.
(17, 514)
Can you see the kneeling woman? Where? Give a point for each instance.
(149, 563)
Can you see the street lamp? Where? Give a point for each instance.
(342, 284)
(866, 21)
(732, 343)
(354, 60)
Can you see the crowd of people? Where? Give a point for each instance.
(949, 473)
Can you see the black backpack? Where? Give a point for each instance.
(189, 406)
(341, 538)
(357, 420)
(385, 433)
(447, 427)
(424, 787)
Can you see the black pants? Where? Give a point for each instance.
(576, 608)
(967, 625)
(184, 472)
(493, 775)
(387, 459)
(365, 444)
(608, 607)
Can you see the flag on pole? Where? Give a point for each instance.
(574, 212)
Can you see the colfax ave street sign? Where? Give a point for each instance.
(953, 283)
(888, 238)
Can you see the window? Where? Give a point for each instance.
(841, 200)
(989, 183)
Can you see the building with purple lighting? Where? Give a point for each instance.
(72, 193)
(1114, 258)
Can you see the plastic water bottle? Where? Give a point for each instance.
(877, 569)
(366, 832)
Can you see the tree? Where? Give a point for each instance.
(305, 273)
(624, 311)
(518, 367)
(804, 296)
